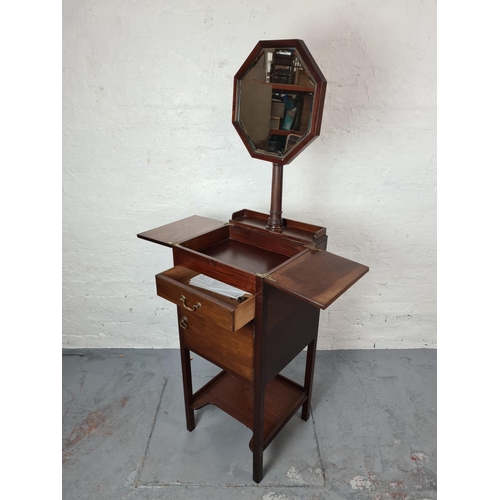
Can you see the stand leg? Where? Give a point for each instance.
(259, 386)
(308, 379)
(258, 433)
(188, 387)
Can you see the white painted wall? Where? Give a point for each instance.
(148, 139)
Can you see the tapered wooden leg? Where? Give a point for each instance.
(258, 437)
(188, 387)
(308, 379)
(259, 387)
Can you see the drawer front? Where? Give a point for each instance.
(230, 350)
(226, 313)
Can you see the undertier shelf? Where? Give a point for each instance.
(234, 395)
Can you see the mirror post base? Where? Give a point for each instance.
(275, 222)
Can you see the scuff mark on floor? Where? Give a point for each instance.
(293, 475)
(360, 483)
(273, 496)
(419, 457)
(92, 424)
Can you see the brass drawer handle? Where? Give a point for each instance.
(184, 323)
(192, 309)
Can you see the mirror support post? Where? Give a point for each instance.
(275, 222)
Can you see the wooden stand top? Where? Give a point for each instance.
(243, 251)
(317, 277)
(181, 230)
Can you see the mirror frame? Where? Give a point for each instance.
(318, 101)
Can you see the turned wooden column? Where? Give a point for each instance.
(275, 222)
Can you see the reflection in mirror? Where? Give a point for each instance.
(276, 100)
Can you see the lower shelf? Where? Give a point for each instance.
(234, 395)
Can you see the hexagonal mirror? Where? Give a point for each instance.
(278, 100)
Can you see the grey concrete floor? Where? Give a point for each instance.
(372, 434)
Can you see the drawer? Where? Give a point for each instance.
(213, 308)
(231, 351)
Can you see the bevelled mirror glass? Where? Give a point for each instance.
(278, 100)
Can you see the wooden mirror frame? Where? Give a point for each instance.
(318, 101)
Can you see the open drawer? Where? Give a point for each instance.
(173, 285)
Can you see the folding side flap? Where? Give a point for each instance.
(184, 229)
(317, 277)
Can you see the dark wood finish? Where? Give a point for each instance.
(289, 279)
(309, 376)
(212, 267)
(234, 396)
(267, 241)
(293, 230)
(259, 385)
(202, 391)
(229, 260)
(186, 381)
(294, 399)
(229, 350)
(244, 256)
(281, 263)
(291, 327)
(188, 387)
(275, 222)
(300, 277)
(181, 230)
(321, 244)
(238, 263)
(207, 240)
(214, 308)
(318, 102)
